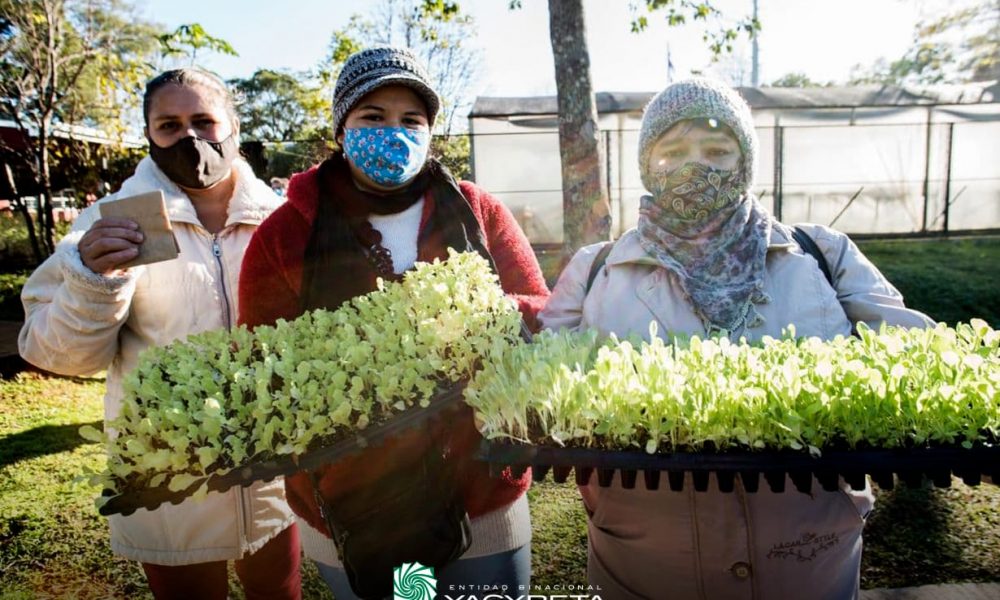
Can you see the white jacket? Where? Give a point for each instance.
(78, 322)
(738, 545)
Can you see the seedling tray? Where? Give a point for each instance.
(441, 405)
(911, 466)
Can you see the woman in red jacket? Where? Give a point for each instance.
(372, 210)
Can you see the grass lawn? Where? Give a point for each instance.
(53, 544)
(951, 280)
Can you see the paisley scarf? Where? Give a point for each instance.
(703, 225)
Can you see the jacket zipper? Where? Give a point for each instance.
(217, 251)
(241, 511)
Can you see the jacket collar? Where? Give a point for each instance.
(627, 248)
(303, 193)
(252, 200)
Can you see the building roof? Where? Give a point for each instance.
(12, 135)
(763, 98)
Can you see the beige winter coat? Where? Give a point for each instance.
(78, 323)
(665, 544)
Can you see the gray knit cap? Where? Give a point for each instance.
(369, 69)
(698, 98)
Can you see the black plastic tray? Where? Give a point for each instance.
(448, 398)
(909, 465)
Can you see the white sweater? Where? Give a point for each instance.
(399, 234)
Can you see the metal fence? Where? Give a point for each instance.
(867, 179)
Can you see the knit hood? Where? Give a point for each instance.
(698, 98)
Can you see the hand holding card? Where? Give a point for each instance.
(149, 211)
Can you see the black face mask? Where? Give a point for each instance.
(196, 163)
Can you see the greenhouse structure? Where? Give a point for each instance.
(874, 160)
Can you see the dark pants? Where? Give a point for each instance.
(269, 573)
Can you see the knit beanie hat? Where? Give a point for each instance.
(698, 98)
(370, 69)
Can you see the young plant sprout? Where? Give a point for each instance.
(891, 388)
(213, 402)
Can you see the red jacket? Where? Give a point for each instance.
(270, 282)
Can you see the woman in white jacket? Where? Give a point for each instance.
(84, 314)
(707, 259)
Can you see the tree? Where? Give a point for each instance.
(187, 40)
(720, 38)
(795, 80)
(279, 107)
(923, 64)
(935, 57)
(63, 61)
(291, 113)
(437, 31)
(586, 210)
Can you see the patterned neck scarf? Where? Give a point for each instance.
(703, 226)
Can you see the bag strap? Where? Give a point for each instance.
(595, 267)
(798, 234)
(809, 247)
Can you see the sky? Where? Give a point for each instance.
(822, 38)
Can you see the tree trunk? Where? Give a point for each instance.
(586, 212)
(45, 213)
(22, 208)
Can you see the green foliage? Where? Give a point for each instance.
(453, 151)
(187, 40)
(679, 12)
(93, 168)
(888, 389)
(56, 546)
(220, 399)
(795, 80)
(923, 64)
(95, 54)
(72, 62)
(15, 247)
(10, 296)
(286, 159)
(437, 31)
(279, 107)
(936, 56)
(977, 56)
(440, 9)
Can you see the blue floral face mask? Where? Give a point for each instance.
(389, 156)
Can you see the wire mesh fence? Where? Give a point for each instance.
(869, 179)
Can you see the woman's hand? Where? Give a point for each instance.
(109, 243)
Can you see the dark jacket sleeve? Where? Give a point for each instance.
(520, 276)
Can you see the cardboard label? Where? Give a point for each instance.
(149, 210)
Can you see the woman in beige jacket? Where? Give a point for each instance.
(85, 314)
(707, 259)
